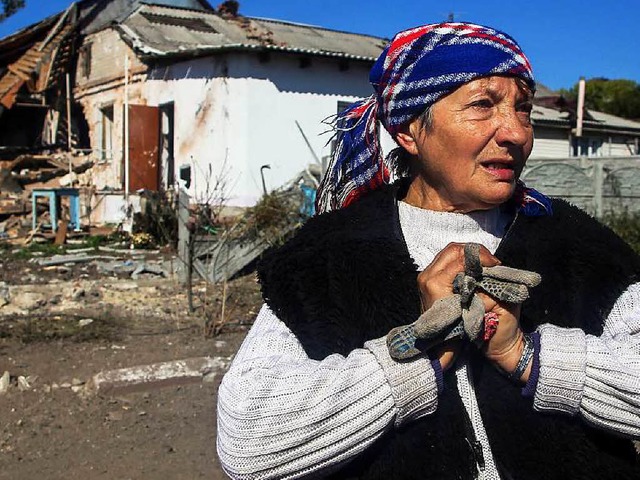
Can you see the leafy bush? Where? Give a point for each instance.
(627, 225)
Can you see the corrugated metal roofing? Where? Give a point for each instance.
(608, 120)
(162, 31)
(544, 114)
(595, 121)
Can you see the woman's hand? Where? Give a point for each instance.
(436, 281)
(506, 345)
(446, 353)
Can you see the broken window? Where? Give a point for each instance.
(106, 133)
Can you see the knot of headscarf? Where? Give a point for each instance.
(417, 68)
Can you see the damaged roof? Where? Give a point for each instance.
(158, 31)
(35, 60)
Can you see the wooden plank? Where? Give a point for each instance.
(8, 97)
(15, 69)
(61, 233)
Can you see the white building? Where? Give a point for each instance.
(239, 100)
(225, 95)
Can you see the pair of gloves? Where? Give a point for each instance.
(462, 314)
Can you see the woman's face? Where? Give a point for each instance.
(475, 148)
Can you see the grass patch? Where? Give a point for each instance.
(47, 329)
(45, 249)
(49, 249)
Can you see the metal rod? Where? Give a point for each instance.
(308, 144)
(68, 112)
(126, 127)
(264, 185)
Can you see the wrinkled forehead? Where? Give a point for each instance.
(496, 85)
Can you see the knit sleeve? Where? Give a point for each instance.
(597, 377)
(284, 415)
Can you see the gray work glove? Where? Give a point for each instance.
(442, 321)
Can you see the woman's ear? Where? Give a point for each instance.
(406, 139)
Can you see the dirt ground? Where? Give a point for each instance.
(60, 326)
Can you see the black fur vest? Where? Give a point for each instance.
(347, 277)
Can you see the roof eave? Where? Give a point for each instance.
(551, 123)
(150, 53)
(611, 129)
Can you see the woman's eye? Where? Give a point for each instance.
(483, 103)
(524, 111)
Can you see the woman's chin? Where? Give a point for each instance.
(496, 196)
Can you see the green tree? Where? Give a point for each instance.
(617, 97)
(9, 7)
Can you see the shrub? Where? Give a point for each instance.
(626, 224)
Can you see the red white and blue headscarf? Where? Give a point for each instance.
(417, 68)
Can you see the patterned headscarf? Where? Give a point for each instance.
(418, 67)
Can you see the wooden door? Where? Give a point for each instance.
(144, 137)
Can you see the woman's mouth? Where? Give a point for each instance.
(502, 171)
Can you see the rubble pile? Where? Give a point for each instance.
(20, 176)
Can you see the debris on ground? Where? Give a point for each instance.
(64, 325)
(148, 377)
(268, 223)
(26, 172)
(5, 383)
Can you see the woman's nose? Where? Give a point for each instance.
(514, 128)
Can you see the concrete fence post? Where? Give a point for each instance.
(598, 187)
(184, 241)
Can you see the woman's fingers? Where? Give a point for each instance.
(503, 347)
(447, 352)
(436, 281)
(487, 259)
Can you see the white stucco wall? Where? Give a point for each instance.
(236, 113)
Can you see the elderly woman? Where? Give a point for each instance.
(553, 390)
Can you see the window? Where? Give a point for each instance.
(167, 162)
(342, 106)
(85, 60)
(106, 133)
(586, 147)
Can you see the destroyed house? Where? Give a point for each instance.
(159, 87)
(240, 101)
(44, 136)
(117, 97)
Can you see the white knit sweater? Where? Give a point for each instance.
(284, 415)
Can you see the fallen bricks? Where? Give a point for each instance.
(156, 375)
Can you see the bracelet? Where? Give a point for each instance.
(525, 358)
